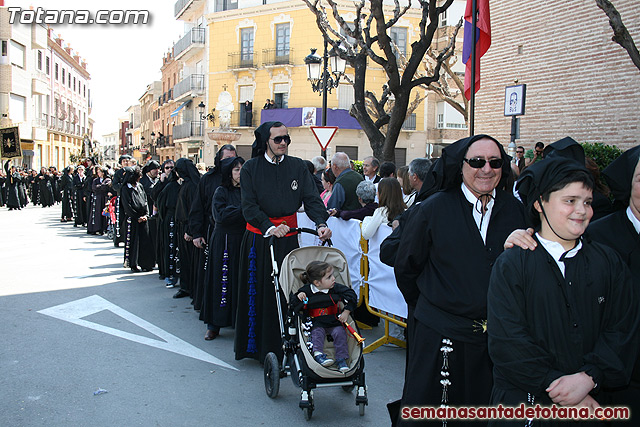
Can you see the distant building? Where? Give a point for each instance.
(579, 82)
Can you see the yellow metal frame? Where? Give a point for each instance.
(364, 298)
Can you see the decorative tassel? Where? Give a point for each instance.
(251, 342)
(127, 245)
(118, 217)
(444, 373)
(225, 274)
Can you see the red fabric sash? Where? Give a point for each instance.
(316, 312)
(291, 221)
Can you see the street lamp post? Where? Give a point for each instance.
(324, 82)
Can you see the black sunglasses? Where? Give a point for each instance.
(168, 167)
(279, 139)
(478, 163)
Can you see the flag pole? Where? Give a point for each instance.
(472, 105)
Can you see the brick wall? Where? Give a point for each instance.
(579, 82)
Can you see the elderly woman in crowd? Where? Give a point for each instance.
(366, 192)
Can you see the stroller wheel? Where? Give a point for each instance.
(361, 408)
(308, 412)
(271, 375)
(348, 388)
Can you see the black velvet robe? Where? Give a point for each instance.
(119, 228)
(220, 300)
(268, 191)
(188, 260)
(13, 198)
(97, 223)
(443, 268)
(201, 225)
(542, 325)
(168, 254)
(617, 232)
(45, 190)
(148, 184)
(80, 205)
(68, 194)
(138, 249)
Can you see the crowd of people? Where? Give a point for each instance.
(513, 295)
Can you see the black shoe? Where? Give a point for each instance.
(135, 270)
(181, 294)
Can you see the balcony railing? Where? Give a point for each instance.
(187, 130)
(243, 119)
(277, 57)
(180, 4)
(410, 122)
(241, 60)
(164, 141)
(193, 37)
(193, 83)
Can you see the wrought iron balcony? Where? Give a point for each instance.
(409, 122)
(193, 83)
(247, 119)
(195, 37)
(240, 60)
(276, 56)
(188, 130)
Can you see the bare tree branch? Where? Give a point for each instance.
(620, 33)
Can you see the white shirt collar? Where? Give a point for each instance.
(556, 251)
(481, 223)
(315, 290)
(270, 160)
(635, 221)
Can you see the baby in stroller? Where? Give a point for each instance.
(322, 298)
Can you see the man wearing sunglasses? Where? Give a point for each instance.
(519, 160)
(443, 266)
(274, 186)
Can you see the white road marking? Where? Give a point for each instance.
(74, 311)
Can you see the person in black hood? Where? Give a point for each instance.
(166, 202)
(221, 285)
(443, 265)
(117, 183)
(201, 220)
(68, 194)
(138, 249)
(190, 177)
(274, 186)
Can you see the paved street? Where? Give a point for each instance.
(74, 321)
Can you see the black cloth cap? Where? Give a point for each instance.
(262, 134)
(124, 157)
(619, 174)
(226, 167)
(446, 172)
(128, 173)
(151, 165)
(565, 147)
(187, 170)
(541, 176)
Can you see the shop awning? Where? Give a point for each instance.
(177, 110)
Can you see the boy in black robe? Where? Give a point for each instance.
(562, 319)
(274, 186)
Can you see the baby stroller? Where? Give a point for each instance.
(298, 359)
(111, 210)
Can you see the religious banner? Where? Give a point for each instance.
(10, 143)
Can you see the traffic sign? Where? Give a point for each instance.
(324, 135)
